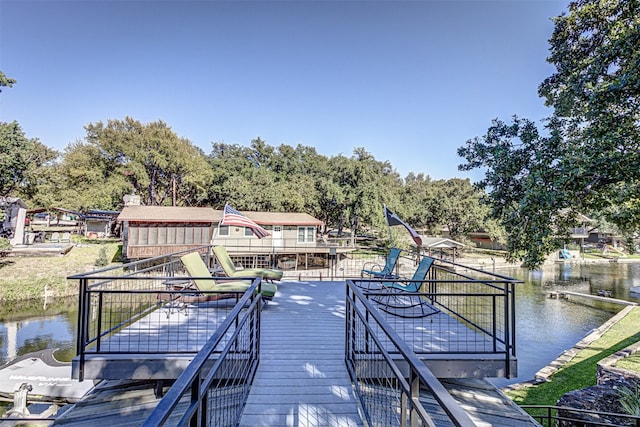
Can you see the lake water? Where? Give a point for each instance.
(545, 327)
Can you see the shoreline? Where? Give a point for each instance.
(566, 356)
(498, 262)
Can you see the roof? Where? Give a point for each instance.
(282, 218)
(187, 214)
(168, 214)
(8, 201)
(440, 242)
(579, 216)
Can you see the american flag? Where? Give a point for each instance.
(234, 218)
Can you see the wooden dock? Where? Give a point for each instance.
(301, 379)
(568, 295)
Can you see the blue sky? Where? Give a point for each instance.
(410, 81)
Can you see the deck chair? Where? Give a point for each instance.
(198, 270)
(66, 237)
(401, 297)
(55, 237)
(383, 272)
(230, 269)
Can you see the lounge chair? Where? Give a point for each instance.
(230, 269)
(402, 297)
(383, 272)
(54, 237)
(65, 238)
(200, 274)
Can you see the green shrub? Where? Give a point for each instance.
(630, 400)
(102, 259)
(4, 244)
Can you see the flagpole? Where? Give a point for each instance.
(386, 218)
(216, 231)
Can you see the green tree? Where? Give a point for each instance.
(460, 208)
(420, 198)
(587, 157)
(6, 81)
(87, 179)
(18, 154)
(160, 166)
(525, 187)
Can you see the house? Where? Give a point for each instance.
(100, 223)
(12, 226)
(149, 231)
(483, 240)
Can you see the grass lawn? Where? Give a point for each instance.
(580, 372)
(630, 363)
(23, 278)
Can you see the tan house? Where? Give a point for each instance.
(149, 231)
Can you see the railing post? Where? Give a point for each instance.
(99, 323)
(83, 322)
(494, 326)
(507, 330)
(404, 410)
(415, 394)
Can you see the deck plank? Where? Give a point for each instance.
(302, 379)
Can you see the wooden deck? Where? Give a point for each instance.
(301, 379)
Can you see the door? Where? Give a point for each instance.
(276, 236)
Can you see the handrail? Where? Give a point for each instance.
(191, 381)
(551, 415)
(419, 372)
(132, 265)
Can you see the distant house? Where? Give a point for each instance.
(100, 223)
(149, 231)
(13, 219)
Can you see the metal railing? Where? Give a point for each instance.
(479, 306)
(328, 259)
(561, 416)
(390, 395)
(214, 387)
(144, 308)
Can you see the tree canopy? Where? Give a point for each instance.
(584, 159)
(126, 156)
(18, 156)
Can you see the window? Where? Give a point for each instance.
(223, 230)
(169, 234)
(248, 232)
(306, 234)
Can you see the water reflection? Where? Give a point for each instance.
(546, 326)
(31, 326)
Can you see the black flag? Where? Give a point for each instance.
(393, 219)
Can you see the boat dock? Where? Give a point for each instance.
(301, 378)
(569, 295)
